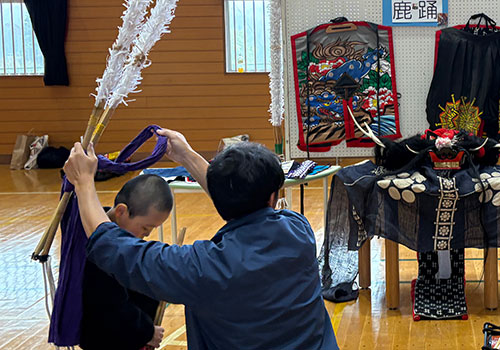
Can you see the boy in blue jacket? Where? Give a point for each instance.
(115, 317)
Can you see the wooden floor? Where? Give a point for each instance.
(27, 200)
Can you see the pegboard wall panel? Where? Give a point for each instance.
(413, 54)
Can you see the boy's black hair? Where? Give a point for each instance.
(144, 192)
(242, 178)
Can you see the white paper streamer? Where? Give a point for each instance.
(276, 84)
(133, 20)
(156, 25)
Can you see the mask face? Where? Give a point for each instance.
(447, 158)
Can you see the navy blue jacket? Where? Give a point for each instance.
(254, 285)
(113, 316)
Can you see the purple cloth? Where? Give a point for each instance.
(67, 312)
(120, 167)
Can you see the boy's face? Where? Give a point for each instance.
(140, 226)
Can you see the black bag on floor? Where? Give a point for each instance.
(52, 158)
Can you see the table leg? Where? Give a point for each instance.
(160, 233)
(392, 274)
(302, 199)
(325, 198)
(289, 197)
(491, 279)
(173, 220)
(364, 265)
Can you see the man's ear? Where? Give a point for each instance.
(273, 200)
(121, 210)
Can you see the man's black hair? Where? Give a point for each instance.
(144, 192)
(242, 178)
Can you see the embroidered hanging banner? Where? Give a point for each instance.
(339, 66)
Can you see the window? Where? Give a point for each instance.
(247, 36)
(20, 53)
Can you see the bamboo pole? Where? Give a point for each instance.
(181, 235)
(96, 130)
(160, 311)
(45, 243)
(61, 208)
(278, 149)
(278, 139)
(43, 240)
(93, 120)
(102, 124)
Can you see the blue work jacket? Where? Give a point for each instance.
(254, 285)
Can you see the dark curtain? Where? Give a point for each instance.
(49, 23)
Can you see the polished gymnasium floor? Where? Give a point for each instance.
(27, 200)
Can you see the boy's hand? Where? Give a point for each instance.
(178, 149)
(80, 168)
(157, 337)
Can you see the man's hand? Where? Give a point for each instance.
(178, 149)
(157, 337)
(80, 168)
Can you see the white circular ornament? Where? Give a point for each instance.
(408, 196)
(489, 195)
(418, 188)
(496, 200)
(383, 183)
(418, 177)
(403, 183)
(494, 183)
(394, 193)
(479, 188)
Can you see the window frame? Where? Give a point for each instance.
(37, 69)
(228, 40)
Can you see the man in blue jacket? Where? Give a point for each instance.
(254, 285)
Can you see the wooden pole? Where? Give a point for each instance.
(47, 238)
(491, 279)
(364, 265)
(278, 139)
(392, 274)
(61, 208)
(103, 123)
(181, 235)
(160, 311)
(93, 120)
